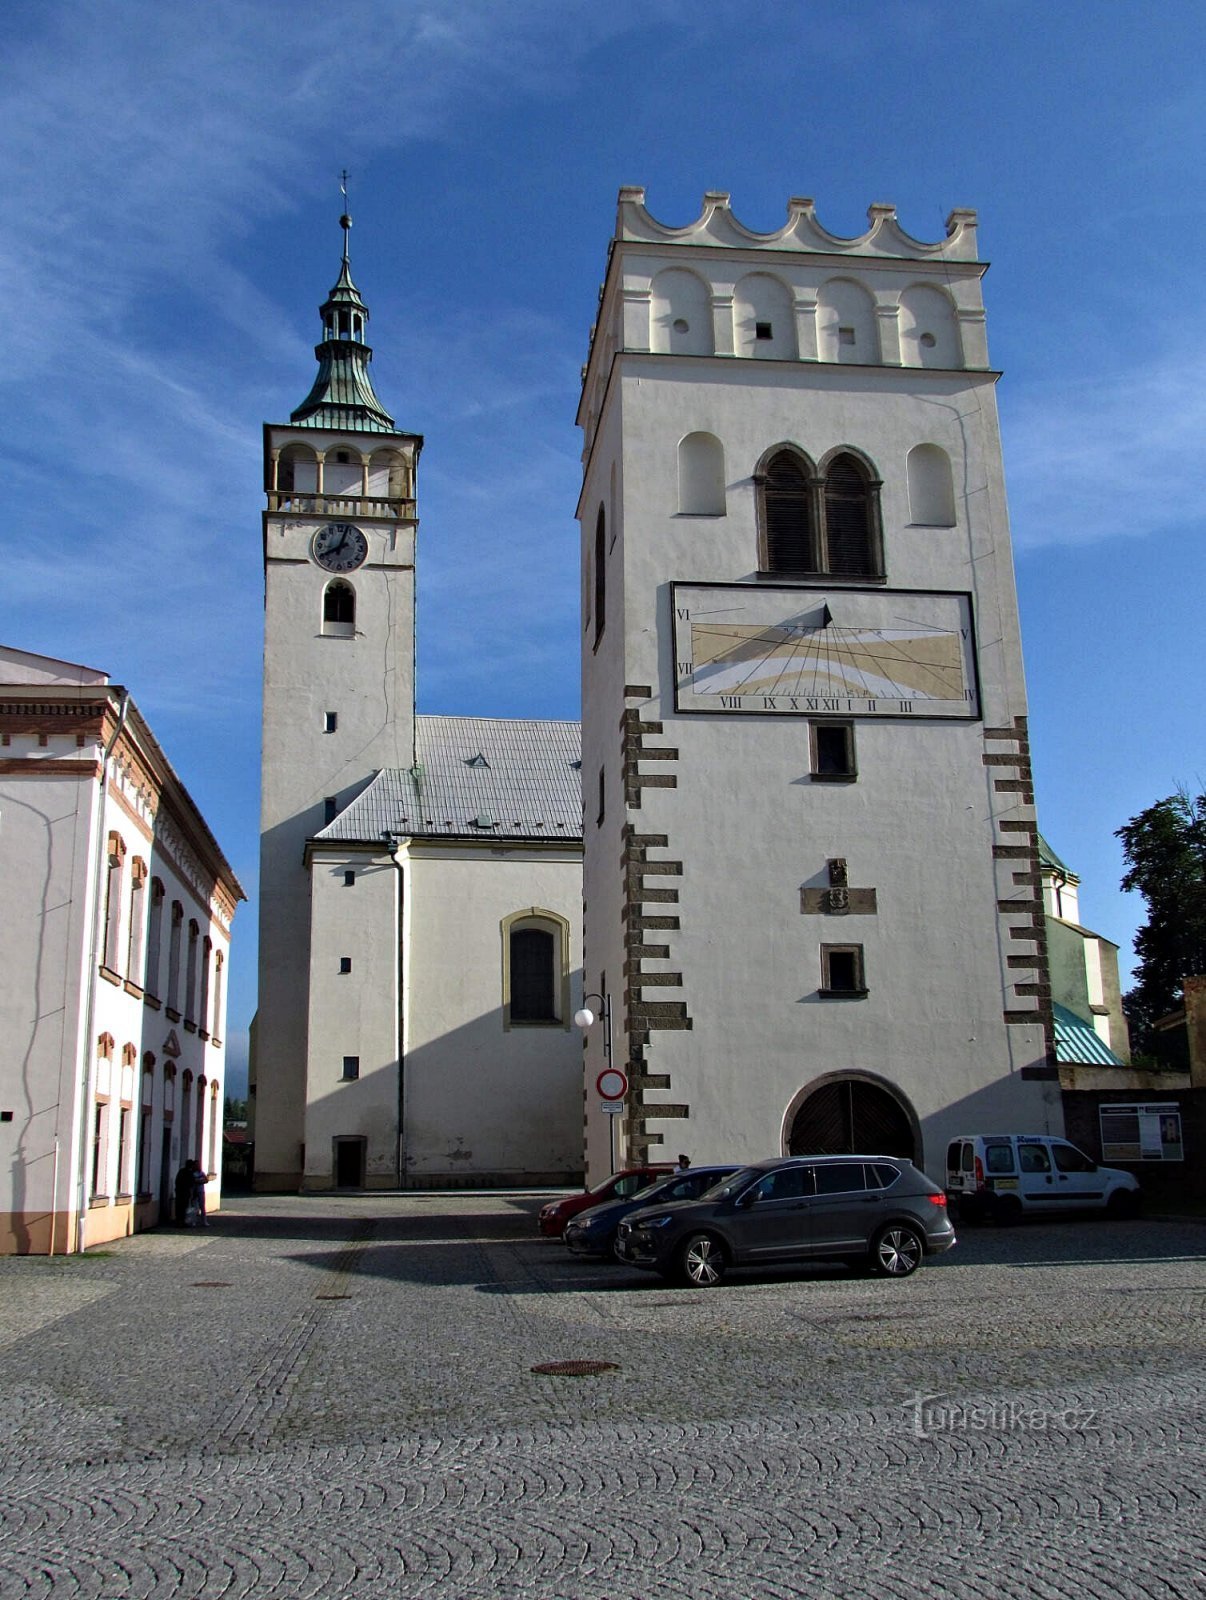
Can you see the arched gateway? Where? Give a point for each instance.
(853, 1114)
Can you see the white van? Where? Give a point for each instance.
(1003, 1176)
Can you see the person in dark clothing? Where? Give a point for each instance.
(184, 1192)
(199, 1181)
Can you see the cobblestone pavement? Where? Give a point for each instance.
(329, 1397)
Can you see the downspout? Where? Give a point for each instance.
(393, 844)
(81, 1199)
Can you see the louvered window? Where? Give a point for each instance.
(848, 540)
(532, 951)
(787, 511)
(813, 525)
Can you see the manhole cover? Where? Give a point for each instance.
(211, 1283)
(575, 1369)
(332, 1297)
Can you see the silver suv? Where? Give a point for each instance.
(869, 1210)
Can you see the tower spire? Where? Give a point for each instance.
(343, 396)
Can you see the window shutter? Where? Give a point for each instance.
(789, 542)
(848, 519)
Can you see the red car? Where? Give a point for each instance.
(619, 1186)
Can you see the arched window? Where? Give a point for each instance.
(216, 1025)
(600, 574)
(173, 983)
(207, 947)
(116, 856)
(788, 523)
(532, 975)
(138, 920)
(819, 523)
(701, 476)
(535, 969)
(388, 477)
(297, 470)
(850, 542)
(190, 976)
(931, 489)
(342, 472)
(339, 609)
(154, 939)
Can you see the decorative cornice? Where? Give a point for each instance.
(716, 225)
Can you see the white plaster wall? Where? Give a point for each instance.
(45, 863)
(481, 1098)
(353, 1014)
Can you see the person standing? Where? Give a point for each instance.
(184, 1193)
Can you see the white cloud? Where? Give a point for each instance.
(1110, 455)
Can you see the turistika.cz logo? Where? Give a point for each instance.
(931, 1414)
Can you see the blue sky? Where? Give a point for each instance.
(168, 227)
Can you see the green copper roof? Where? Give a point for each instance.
(343, 397)
(1078, 1040)
(1048, 858)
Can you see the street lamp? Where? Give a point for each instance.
(584, 1019)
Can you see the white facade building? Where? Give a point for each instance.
(811, 873)
(421, 877)
(114, 950)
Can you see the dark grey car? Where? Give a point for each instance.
(869, 1210)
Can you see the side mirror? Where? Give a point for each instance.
(746, 1199)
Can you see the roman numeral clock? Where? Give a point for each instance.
(740, 648)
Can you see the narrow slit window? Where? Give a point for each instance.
(330, 721)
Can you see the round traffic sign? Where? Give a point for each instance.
(612, 1084)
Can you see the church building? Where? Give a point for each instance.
(420, 876)
(792, 865)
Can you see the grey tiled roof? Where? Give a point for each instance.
(478, 778)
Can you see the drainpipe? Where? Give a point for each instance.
(81, 1197)
(393, 843)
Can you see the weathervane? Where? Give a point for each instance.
(345, 221)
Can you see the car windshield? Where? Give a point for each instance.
(728, 1187)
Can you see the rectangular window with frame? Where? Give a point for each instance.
(831, 748)
(351, 1068)
(842, 974)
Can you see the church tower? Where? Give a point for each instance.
(339, 672)
(811, 857)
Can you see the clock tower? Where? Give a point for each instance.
(339, 672)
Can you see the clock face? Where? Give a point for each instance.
(340, 547)
(814, 652)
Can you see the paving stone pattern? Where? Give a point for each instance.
(330, 1397)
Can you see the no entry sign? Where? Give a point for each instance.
(612, 1084)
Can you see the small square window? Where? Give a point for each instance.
(345, 963)
(351, 1068)
(349, 878)
(762, 330)
(832, 750)
(330, 808)
(330, 721)
(845, 335)
(842, 970)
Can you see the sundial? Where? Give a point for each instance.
(769, 651)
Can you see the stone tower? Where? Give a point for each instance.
(811, 875)
(339, 672)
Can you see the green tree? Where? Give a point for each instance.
(1165, 852)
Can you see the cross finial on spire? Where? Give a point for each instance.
(345, 221)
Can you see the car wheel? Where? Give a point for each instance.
(1122, 1205)
(701, 1261)
(897, 1250)
(1007, 1211)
